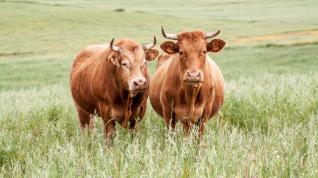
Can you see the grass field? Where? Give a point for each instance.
(268, 126)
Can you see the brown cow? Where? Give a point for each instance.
(188, 86)
(112, 81)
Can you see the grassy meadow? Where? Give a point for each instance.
(268, 126)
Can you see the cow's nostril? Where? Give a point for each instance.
(199, 74)
(135, 83)
(139, 82)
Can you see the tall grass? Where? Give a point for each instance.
(271, 101)
(267, 127)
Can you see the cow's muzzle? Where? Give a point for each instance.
(193, 77)
(138, 85)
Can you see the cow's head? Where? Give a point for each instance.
(130, 61)
(192, 48)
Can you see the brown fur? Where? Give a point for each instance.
(99, 84)
(161, 59)
(174, 99)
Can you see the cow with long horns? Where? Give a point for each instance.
(112, 81)
(187, 86)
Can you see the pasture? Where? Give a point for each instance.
(268, 126)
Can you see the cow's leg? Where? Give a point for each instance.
(134, 117)
(110, 130)
(167, 110)
(136, 112)
(167, 115)
(186, 128)
(142, 110)
(173, 121)
(109, 122)
(201, 128)
(132, 120)
(205, 117)
(132, 127)
(132, 124)
(85, 118)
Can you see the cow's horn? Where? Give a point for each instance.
(150, 45)
(211, 34)
(168, 36)
(113, 47)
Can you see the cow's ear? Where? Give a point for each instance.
(113, 59)
(169, 47)
(215, 45)
(151, 54)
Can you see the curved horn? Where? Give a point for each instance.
(112, 47)
(169, 36)
(211, 34)
(149, 45)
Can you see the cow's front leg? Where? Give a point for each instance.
(136, 112)
(109, 122)
(204, 118)
(173, 121)
(187, 127)
(142, 110)
(201, 128)
(132, 121)
(132, 124)
(110, 130)
(167, 110)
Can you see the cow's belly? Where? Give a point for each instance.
(183, 113)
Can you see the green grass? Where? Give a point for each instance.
(268, 126)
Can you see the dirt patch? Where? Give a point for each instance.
(16, 54)
(279, 38)
(32, 2)
(119, 10)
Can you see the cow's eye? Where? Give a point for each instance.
(204, 52)
(180, 52)
(125, 63)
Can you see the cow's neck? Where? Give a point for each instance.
(191, 95)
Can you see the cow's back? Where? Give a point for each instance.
(87, 56)
(162, 58)
(81, 75)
